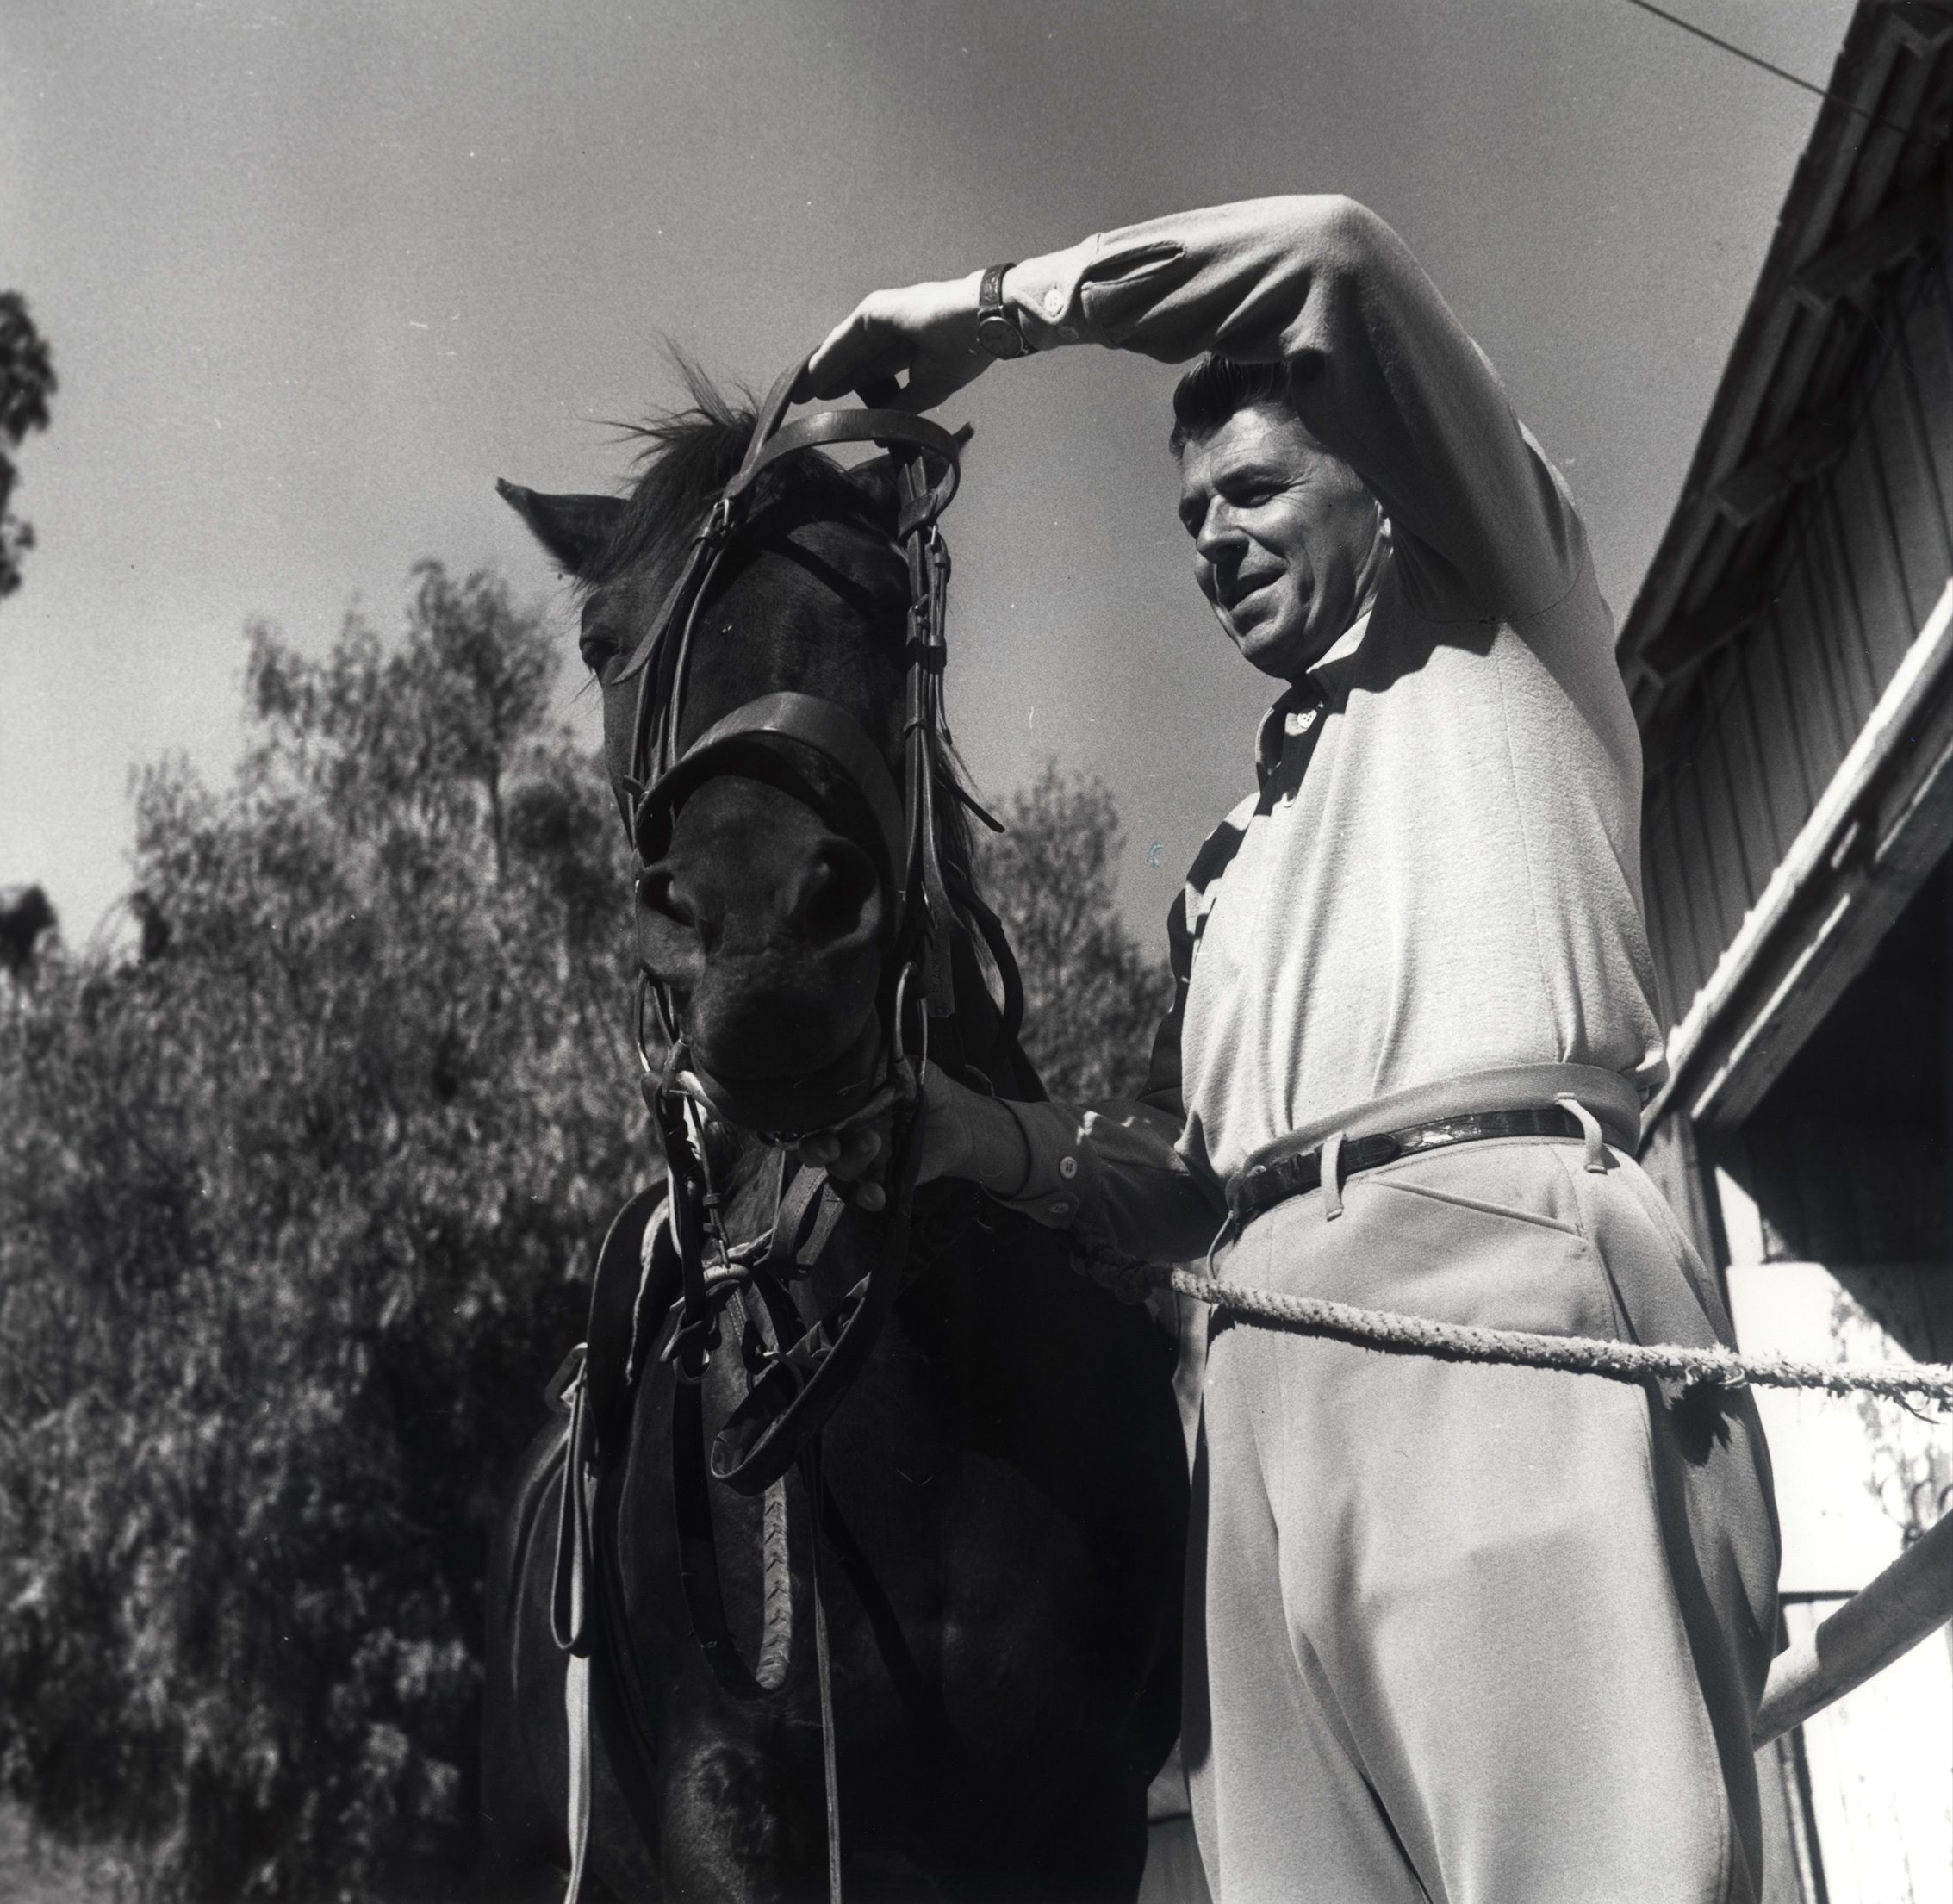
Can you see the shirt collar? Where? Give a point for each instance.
(1291, 714)
(1288, 715)
(1346, 644)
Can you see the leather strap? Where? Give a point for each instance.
(788, 1404)
(617, 1286)
(779, 401)
(997, 330)
(698, 1546)
(569, 1594)
(1260, 1187)
(786, 1255)
(576, 1716)
(884, 428)
(694, 577)
(691, 1506)
(744, 742)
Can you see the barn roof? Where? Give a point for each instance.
(1869, 192)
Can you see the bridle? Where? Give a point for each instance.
(776, 738)
(771, 738)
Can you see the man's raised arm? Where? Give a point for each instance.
(1384, 375)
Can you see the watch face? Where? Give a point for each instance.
(998, 335)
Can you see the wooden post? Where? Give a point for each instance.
(1912, 1599)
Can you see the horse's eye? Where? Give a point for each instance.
(599, 647)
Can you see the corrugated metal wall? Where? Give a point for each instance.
(1861, 558)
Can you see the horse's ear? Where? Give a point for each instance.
(572, 528)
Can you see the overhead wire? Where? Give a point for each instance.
(1781, 72)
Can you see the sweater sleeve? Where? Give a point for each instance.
(1384, 377)
(1121, 1169)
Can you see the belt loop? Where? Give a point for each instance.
(1589, 1129)
(1332, 1177)
(1228, 1232)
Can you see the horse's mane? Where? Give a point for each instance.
(689, 454)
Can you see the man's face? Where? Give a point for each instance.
(1286, 537)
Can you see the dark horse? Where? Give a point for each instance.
(1001, 1552)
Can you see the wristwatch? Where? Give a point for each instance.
(996, 325)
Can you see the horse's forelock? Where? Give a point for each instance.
(688, 457)
(690, 454)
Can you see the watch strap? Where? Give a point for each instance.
(998, 329)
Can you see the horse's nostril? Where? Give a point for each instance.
(658, 892)
(838, 896)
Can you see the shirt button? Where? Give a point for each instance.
(1054, 301)
(1068, 1168)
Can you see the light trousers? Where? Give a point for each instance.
(1466, 1633)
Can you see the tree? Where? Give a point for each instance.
(27, 381)
(299, 1211)
(299, 1216)
(26, 916)
(1093, 997)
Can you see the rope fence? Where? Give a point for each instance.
(1132, 1280)
(1911, 1600)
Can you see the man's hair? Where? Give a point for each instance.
(1215, 388)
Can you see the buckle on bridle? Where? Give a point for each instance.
(690, 1348)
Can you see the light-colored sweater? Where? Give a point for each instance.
(1440, 875)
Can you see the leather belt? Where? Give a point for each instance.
(1262, 1185)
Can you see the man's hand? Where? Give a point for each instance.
(927, 330)
(963, 1134)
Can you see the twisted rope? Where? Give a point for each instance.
(1132, 1280)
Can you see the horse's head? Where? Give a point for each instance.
(766, 898)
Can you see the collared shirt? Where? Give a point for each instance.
(1438, 872)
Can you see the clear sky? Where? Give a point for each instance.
(316, 275)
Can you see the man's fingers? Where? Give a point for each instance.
(844, 1154)
(860, 1150)
(927, 330)
(864, 346)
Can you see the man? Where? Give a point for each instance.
(1456, 1632)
